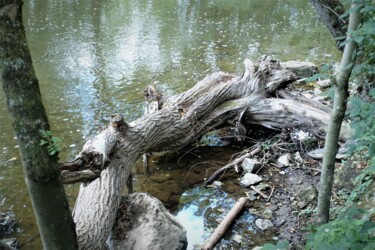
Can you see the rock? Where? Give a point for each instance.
(254, 211)
(284, 161)
(263, 224)
(144, 223)
(12, 242)
(307, 196)
(274, 207)
(250, 179)
(316, 153)
(217, 184)
(319, 152)
(324, 83)
(301, 69)
(251, 195)
(8, 222)
(297, 157)
(250, 165)
(267, 214)
(263, 186)
(237, 238)
(317, 92)
(300, 135)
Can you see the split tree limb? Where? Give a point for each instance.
(225, 224)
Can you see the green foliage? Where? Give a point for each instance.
(325, 72)
(349, 232)
(50, 142)
(280, 245)
(362, 104)
(352, 231)
(362, 115)
(362, 182)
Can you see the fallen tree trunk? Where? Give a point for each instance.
(182, 120)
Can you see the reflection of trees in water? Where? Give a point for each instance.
(102, 54)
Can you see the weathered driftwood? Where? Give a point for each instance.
(182, 119)
(225, 224)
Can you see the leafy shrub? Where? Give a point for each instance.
(350, 232)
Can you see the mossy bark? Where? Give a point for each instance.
(337, 116)
(29, 121)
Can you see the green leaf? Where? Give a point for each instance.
(281, 245)
(367, 8)
(358, 39)
(369, 27)
(372, 93)
(42, 142)
(313, 78)
(371, 149)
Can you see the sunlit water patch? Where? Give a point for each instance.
(202, 209)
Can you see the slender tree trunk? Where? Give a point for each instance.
(29, 121)
(330, 12)
(337, 116)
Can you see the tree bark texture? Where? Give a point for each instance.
(256, 96)
(337, 116)
(29, 121)
(330, 12)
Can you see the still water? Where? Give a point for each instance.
(94, 58)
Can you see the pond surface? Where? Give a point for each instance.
(94, 58)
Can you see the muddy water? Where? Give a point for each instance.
(93, 58)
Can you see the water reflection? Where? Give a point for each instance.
(201, 211)
(94, 58)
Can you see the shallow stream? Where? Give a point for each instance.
(94, 58)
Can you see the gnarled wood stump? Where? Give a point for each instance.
(259, 95)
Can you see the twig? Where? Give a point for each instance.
(259, 192)
(230, 165)
(197, 164)
(269, 197)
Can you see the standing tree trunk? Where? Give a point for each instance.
(331, 11)
(337, 116)
(29, 122)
